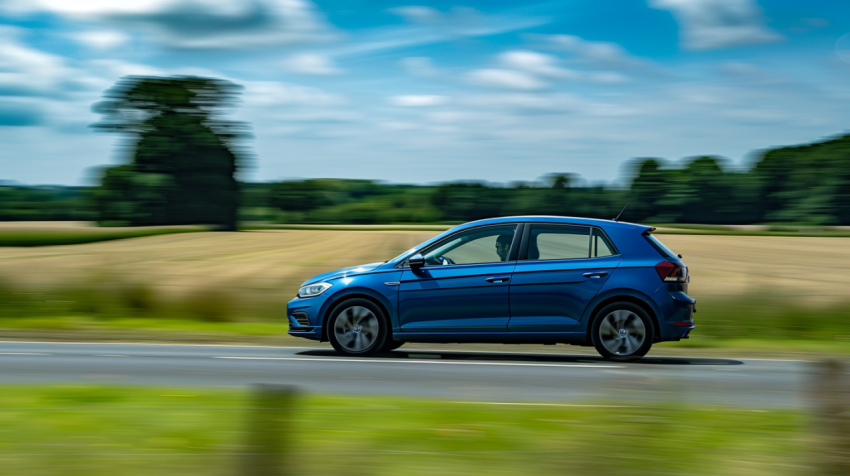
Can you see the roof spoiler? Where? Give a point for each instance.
(645, 230)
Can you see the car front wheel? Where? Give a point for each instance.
(357, 327)
(623, 332)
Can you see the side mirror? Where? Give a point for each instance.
(416, 261)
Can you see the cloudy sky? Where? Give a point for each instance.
(492, 90)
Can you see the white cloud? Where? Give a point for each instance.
(529, 70)
(713, 24)
(25, 71)
(504, 78)
(311, 64)
(221, 24)
(414, 13)
(599, 52)
(418, 100)
(537, 63)
(102, 40)
(276, 94)
(419, 66)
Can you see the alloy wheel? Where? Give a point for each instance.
(622, 332)
(356, 328)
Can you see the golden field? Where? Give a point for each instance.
(810, 268)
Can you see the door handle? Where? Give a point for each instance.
(597, 274)
(498, 279)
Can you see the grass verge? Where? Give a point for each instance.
(390, 227)
(100, 430)
(759, 323)
(75, 236)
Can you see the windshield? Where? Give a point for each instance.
(411, 250)
(664, 250)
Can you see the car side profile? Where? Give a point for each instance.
(517, 280)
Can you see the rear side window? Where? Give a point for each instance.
(600, 246)
(658, 245)
(558, 242)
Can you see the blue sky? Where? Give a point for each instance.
(443, 91)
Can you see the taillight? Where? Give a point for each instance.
(671, 272)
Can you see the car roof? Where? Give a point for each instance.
(550, 219)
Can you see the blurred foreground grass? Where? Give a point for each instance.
(107, 430)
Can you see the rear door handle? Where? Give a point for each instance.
(498, 279)
(597, 274)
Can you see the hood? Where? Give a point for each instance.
(343, 272)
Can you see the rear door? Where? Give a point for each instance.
(560, 270)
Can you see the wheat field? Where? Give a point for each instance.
(811, 268)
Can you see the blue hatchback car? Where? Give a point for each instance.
(528, 279)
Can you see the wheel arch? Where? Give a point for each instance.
(643, 303)
(331, 306)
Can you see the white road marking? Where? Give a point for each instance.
(149, 343)
(110, 355)
(431, 362)
(22, 353)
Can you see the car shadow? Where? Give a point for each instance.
(520, 357)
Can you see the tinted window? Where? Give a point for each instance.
(484, 245)
(600, 246)
(658, 245)
(558, 242)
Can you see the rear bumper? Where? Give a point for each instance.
(676, 315)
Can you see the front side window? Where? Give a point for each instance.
(490, 244)
(558, 242)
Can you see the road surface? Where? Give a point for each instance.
(469, 376)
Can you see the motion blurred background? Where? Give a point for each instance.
(137, 136)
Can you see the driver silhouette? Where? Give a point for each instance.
(503, 246)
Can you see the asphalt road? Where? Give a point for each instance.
(469, 376)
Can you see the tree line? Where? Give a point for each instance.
(183, 157)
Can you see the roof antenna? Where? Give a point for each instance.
(621, 212)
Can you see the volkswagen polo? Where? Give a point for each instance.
(517, 280)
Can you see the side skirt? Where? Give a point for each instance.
(493, 337)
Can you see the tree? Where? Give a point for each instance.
(184, 155)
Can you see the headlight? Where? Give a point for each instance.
(311, 290)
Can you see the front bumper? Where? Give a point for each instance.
(303, 317)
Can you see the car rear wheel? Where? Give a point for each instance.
(623, 332)
(357, 327)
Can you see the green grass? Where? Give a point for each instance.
(75, 236)
(108, 430)
(758, 322)
(399, 227)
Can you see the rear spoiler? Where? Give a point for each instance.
(645, 230)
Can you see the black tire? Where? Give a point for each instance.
(357, 327)
(622, 332)
(391, 345)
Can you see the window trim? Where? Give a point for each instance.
(512, 254)
(526, 239)
(613, 247)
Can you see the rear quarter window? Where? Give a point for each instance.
(660, 247)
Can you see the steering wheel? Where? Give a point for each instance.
(440, 260)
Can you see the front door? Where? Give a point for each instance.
(563, 269)
(464, 285)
